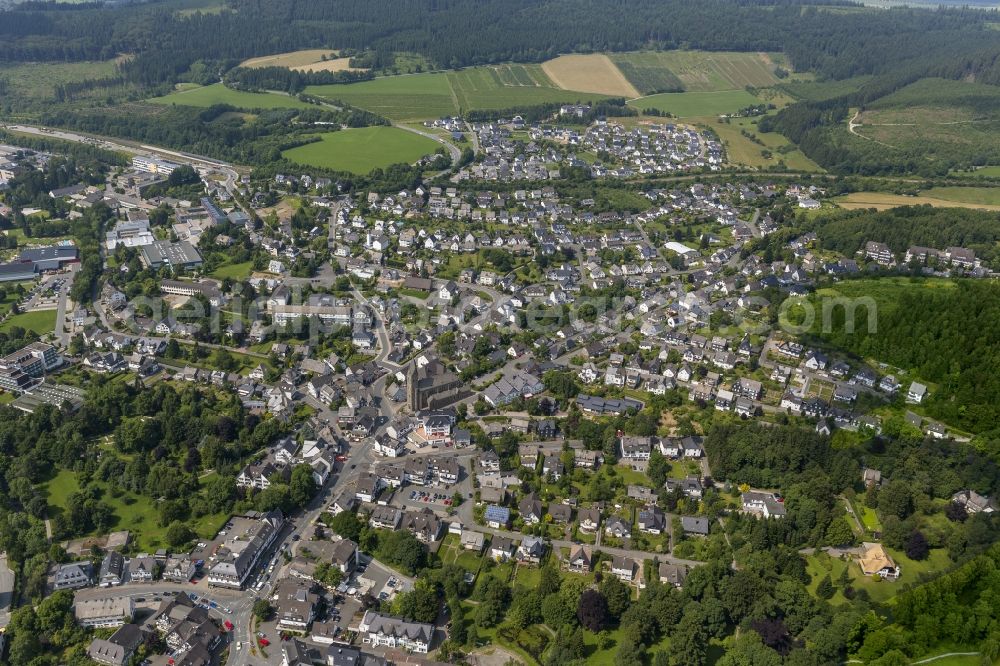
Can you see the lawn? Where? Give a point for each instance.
(820, 564)
(866, 515)
(39, 321)
(451, 552)
(233, 271)
(598, 655)
(692, 104)
(11, 296)
(363, 149)
(137, 514)
(527, 577)
(217, 93)
(630, 476)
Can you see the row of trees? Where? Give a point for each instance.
(256, 79)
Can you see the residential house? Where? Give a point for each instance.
(530, 509)
(695, 525)
(652, 520)
(580, 559)
(531, 550)
(497, 517)
(624, 568)
(141, 569)
(915, 394)
(672, 574)
(762, 504)
(474, 541)
(72, 576)
(104, 612)
(589, 519)
(501, 548)
(974, 502)
(118, 649)
(295, 604)
(617, 527)
(874, 560)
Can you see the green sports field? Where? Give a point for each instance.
(691, 104)
(205, 96)
(39, 321)
(361, 150)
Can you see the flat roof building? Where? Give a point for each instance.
(167, 253)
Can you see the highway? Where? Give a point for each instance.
(123, 146)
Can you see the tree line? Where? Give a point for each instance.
(458, 33)
(256, 79)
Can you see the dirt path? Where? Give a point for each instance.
(852, 124)
(494, 655)
(930, 660)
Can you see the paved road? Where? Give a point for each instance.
(62, 336)
(124, 146)
(452, 149)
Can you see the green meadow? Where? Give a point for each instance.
(363, 149)
(206, 96)
(691, 104)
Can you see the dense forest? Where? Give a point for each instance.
(819, 127)
(846, 232)
(257, 79)
(947, 335)
(456, 33)
(892, 48)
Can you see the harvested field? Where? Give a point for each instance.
(594, 73)
(883, 200)
(330, 65)
(292, 60)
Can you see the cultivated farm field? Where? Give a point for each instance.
(592, 72)
(884, 200)
(506, 86)
(432, 95)
(308, 60)
(407, 97)
(651, 71)
(690, 104)
(363, 149)
(217, 93)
